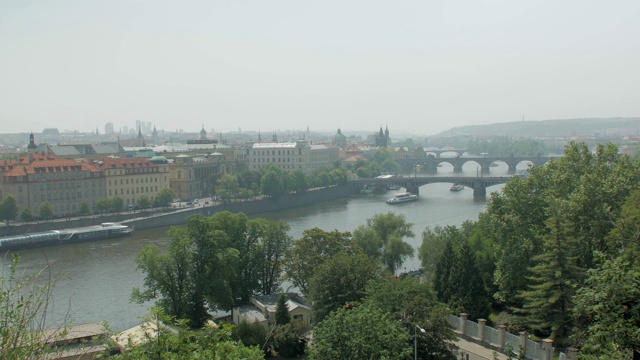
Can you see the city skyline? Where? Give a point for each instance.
(419, 67)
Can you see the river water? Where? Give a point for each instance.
(98, 277)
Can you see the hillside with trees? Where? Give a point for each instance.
(546, 251)
(551, 128)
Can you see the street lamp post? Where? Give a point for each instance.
(415, 340)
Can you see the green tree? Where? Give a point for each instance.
(589, 187)
(144, 202)
(340, 280)
(193, 275)
(227, 187)
(324, 179)
(103, 205)
(282, 311)
(250, 180)
(251, 334)
(607, 310)
(46, 210)
(84, 209)
(117, 204)
(389, 166)
(212, 181)
(298, 181)
(286, 339)
(275, 242)
(624, 238)
(273, 182)
(410, 301)
(9, 209)
(310, 251)
(363, 172)
(26, 214)
(164, 198)
(245, 236)
(362, 332)
(442, 274)
(382, 239)
(548, 302)
(338, 177)
(466, 288)
(25, 298)
(434, 241)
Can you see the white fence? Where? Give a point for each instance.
(499, 339)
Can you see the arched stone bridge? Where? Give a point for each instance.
(439, 152)
(412, 184)
(430, 164)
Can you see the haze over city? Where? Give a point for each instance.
(419, 66)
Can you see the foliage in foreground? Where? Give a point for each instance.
(24, 303)
(362, 332)
(182, 343)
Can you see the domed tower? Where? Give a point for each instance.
(32, 144)
(203, 133)
(31, 148)
(340, 140)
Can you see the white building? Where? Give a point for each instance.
(288, 156)
(322, 155)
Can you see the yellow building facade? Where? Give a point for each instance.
(131, 178)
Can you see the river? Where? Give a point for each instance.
(97, 277)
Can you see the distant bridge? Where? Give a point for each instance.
(412, 184)
(439, 152)
(430, 164)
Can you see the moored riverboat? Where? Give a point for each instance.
(59, 237)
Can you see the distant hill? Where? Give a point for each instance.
(552, 128)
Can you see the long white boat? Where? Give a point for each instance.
(402, 198)
(66, 236)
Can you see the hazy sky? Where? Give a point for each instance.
(420, 66)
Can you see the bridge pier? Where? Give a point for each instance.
(479, 194)
(413, 189)
(457, 168)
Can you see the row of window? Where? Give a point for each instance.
(273, 160)
(153, 169)
(59, 196)
(284, 167)
(142, 180)
(143, 189)
(58, 176)
(273, 152)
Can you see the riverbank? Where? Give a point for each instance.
(159, 218)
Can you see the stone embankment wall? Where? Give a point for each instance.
(178, 217)
(251, 207)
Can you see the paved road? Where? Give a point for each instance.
(476, 352)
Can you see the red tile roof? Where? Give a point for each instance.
(47, 163)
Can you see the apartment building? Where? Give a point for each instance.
(64, 183)
(130, 178)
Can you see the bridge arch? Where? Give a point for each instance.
(430, 164)
(413, 184)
